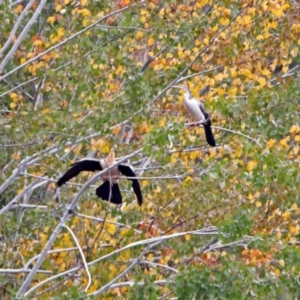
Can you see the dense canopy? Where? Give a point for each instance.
(79, 77)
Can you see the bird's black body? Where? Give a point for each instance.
(109, 190)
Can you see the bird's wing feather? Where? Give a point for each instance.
(82, 165)
(127, 171)
(109, 192)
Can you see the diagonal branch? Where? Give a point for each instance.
(17, 24)
(23, 34)
(65, 41)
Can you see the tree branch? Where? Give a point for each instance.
(65, 41)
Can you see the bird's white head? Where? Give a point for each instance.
(187, 95)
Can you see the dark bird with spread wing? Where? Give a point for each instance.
(109, 190)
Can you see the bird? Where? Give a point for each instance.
(196, 109)
(109, 190)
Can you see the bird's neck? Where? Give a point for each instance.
(110, 159)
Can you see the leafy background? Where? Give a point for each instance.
(78, 77)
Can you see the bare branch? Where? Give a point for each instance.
(155, 265)
(36, 183)
(25, 163)
(107, 221)
(18, 271)
(18, 86)
(22, 35)
(82, 256)
(65, 41)
(26, 266)
(237, 132)
(17, 24)
(199, 73)
(16, 205)
(122, 274)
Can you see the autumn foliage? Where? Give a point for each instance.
(78, 77)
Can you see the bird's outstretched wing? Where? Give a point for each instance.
(76, 168)
(127, 171)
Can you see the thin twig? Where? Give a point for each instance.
(107, 221)
(82, 256)
(237, 132)
(119, 276)
(18, 271)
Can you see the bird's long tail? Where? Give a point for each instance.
(209, 135)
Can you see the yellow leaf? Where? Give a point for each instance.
(13, 95)
(246, 20)
(58, 8)
(139, 35)
(281, 262)
(18, 9)
(294, 129)
(150, 41)
(188, 179)
(144, 183)
(284, 142)
(297, 138)
(112, 229)
(260, 37)
(51, 20)
(262, 81)
(83, 2)
(271, 143)
(62, 267)
(277, 272)
(258, 204)
(157, 190)
(12, 105)
(295, 51)
(286, 215)
(285, 69)
(113, 242)
(174, 157)
(188, 237)
(251, 165)
(251, 198)
(16, 155)
(294, 229)
(112, 268)
(43, 237)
